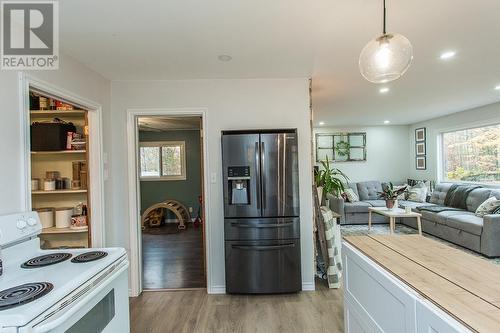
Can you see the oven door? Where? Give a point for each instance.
(103, 309)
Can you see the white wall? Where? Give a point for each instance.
(71, 76)
(231, 104)
(386, 153)
(485, 115)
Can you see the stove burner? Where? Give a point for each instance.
(89, 256)
(24, 293)
(45, 260)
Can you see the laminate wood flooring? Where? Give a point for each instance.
(174, 260)
(196, 311)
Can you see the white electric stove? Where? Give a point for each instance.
(67, 290)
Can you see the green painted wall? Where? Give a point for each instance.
(184, 191)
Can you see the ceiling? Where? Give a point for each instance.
(159, 124)
(322, 39)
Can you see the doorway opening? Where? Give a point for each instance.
(169, 154)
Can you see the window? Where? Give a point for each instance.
(472, 154)
(162, 160)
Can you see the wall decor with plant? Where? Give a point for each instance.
(341, 147)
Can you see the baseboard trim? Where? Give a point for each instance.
(217, 290)
(308, 286)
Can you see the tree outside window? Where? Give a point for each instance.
(472, 154)
(162, 160)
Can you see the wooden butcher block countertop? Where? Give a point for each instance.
(463, 285)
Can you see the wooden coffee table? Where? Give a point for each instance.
(392, 214)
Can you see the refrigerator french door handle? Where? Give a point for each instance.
(262, 166)
(263, 247)
(268, 225)
(257, 174)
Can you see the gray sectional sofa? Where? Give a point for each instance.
(462, 227)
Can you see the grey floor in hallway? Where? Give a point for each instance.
(196, 311)
(173, 260)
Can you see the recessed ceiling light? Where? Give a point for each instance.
(497, 87)
(224, 57)
(448, 55)
(387, 122)
(321, 123)
(384, 90)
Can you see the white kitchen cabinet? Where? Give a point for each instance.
(377, 301)
(430, 319)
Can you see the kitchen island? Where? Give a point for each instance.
(411, 283)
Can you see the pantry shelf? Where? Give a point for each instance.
(54, 230)
(59, 192)
(58, 152)
(55, 113)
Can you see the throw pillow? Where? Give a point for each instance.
(402, 196)
(488, 206)
(417, 193)
(351, 195)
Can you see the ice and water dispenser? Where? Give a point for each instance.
(238, 178)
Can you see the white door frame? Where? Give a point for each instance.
(96, 184)
(133, 189)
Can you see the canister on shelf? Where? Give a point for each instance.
(83, 179)
(63, 217)
(52, 174)
(67, 183)
(75, 185)
(35, 184)
(46, 215)
(49, 185)
(59, 184)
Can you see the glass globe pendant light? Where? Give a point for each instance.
(385, 58)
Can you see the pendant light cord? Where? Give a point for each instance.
(384, 18)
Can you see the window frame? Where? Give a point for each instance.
(441, 165)
(161, 144)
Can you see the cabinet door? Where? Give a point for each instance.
(432, 320)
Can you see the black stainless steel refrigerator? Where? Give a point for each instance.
(261, 211)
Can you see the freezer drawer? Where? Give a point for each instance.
(262, 228)
(263, 267)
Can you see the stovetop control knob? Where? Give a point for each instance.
(21, 224)
(31, 222)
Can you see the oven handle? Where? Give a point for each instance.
(44, 327)
(267, 225)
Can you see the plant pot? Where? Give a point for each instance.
(390, 204)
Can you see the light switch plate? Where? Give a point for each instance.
(213, 178)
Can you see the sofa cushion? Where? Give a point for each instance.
(356, 207)
(413, 204)
(495, 193)
(476, 198)
(369, 190)
(467, 222)
(439, 193)
(376, 203)
(442, 216)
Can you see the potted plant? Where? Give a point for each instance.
(331, 180)
(390, 195)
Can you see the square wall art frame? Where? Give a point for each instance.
(420, 149)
